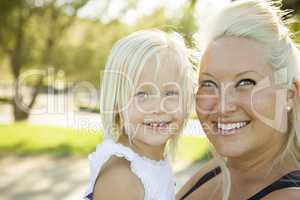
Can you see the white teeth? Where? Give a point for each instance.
(231, 126)
(156, 124)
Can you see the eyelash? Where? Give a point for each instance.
(173, 93)
(145, 94)
(208, 81)
(141, 94)
(250, 81)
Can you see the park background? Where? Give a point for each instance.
(55, 51)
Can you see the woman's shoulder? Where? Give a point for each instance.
(114, 176)
(204, 169)
(289, 193)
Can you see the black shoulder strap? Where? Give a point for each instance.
(211, 174)
(90, 196)
(292, 179)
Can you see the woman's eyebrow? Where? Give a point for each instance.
(207, 74)
(248, 71)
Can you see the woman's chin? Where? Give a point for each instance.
(229, 149)
(230, 152)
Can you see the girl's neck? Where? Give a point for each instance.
(143, 149)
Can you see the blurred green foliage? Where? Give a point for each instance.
(23, 139)
(53, 37)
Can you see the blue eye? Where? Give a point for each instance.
(172, 93)
(208, 83)
(245, 82)
(142, 94)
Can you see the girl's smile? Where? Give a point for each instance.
(157, 112)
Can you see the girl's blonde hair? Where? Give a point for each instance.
(123, 68)
(262, 21)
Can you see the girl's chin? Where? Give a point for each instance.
(155, 139)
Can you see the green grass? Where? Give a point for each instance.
(23, 139)
(5, 99)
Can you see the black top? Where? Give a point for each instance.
(90, 196)
(291, 179)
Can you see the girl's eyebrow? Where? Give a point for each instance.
(172, 83)
(143, 87)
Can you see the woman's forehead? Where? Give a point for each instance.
(233, 55)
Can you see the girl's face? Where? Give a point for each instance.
(239, 106)
(155, 112)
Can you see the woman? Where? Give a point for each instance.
(249, 105)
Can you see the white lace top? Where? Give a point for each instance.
(156, 176)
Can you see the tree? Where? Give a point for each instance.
(292, 4)
(15, 38)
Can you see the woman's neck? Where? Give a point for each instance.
(143, 149)
(260, 163)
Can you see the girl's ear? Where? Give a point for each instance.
(293, 92)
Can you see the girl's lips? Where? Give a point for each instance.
(157, 125)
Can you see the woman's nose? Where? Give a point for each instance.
(227, 101)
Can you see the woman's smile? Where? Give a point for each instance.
(230, 128)
(232, 116)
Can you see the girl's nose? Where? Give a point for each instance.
(157, 105)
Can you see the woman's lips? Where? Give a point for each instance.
(229, 128)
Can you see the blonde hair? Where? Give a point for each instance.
(262, 21)
(123, 68)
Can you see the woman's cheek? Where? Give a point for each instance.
(206, 103)
(262, 104)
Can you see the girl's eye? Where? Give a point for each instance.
(208, 83)
(172, 93)
(246, 82)
(142, 94)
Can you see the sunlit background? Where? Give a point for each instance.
(55, 51)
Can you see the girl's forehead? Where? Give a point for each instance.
(161, 68)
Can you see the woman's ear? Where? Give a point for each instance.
(293, 92)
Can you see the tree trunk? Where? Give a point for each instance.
(20, 114)
(21, 111)
(15, 63)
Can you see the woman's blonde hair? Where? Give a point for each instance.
(123, 68)
(262, 21)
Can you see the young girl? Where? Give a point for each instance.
(145, 99)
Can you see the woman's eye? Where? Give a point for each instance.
(171, 93)
(208, 83)
(246, 82)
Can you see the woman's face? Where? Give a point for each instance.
(238, 104)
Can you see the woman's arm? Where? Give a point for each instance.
(211, 164)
